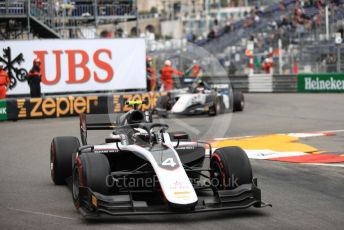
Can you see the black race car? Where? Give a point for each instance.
(141, 168)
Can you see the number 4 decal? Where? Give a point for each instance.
(169, 162)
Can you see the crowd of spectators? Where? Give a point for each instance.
(251, 18)
(295, 19)
(304, 17)
(307, 14)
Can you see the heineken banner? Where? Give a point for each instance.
(324, 82)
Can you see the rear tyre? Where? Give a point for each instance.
(239, 101)
(163, 106)
(164, 102)
(230, 168)
(61, 151)
(91, 170)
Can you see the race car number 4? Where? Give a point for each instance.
(169, 162)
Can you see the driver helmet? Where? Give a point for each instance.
(200, 87)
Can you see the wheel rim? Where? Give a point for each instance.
(217, 174)
(218, 107)
(242, 104)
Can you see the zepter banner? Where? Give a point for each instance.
(76, 65)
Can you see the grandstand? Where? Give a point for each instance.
(294, 33)
(60, 19)
(307, 40)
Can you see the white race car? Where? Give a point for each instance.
(200, 98)
(143, 169)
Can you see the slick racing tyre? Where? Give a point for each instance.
(230, 168)
(61, 152)
(239, 101)
(215, 108)
(91, 170)
(163, 106)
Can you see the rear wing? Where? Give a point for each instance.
(95, 122)
(106, 121)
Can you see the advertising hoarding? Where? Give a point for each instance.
(76, 65)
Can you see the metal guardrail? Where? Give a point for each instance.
(284, 83)
(101, 10)
(261, 83)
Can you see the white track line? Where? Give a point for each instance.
(42, 214)
(333, 131)
(325, 164)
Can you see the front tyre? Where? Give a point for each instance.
(215, 108)
(91, 170)
(230, 168)
(61, 151)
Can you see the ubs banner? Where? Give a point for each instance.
(326, 82)
(62, 106)
(76, 65)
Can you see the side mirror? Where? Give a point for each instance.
(112, 140)
(115, 139)
(180, 136)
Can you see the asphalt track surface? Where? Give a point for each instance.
(303, 196)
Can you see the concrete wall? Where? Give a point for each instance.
(172, 28)
(152, 24)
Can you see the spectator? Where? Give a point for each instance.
(331, 61)
(281, 6)
(196, 69)
(232, 68)
(4, 82)
(151, 74)
(211, 35)
(39, 3)
(57, 8)
(35, 79)
(267, 65)
(227, 28)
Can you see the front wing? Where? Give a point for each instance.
(95, 205)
